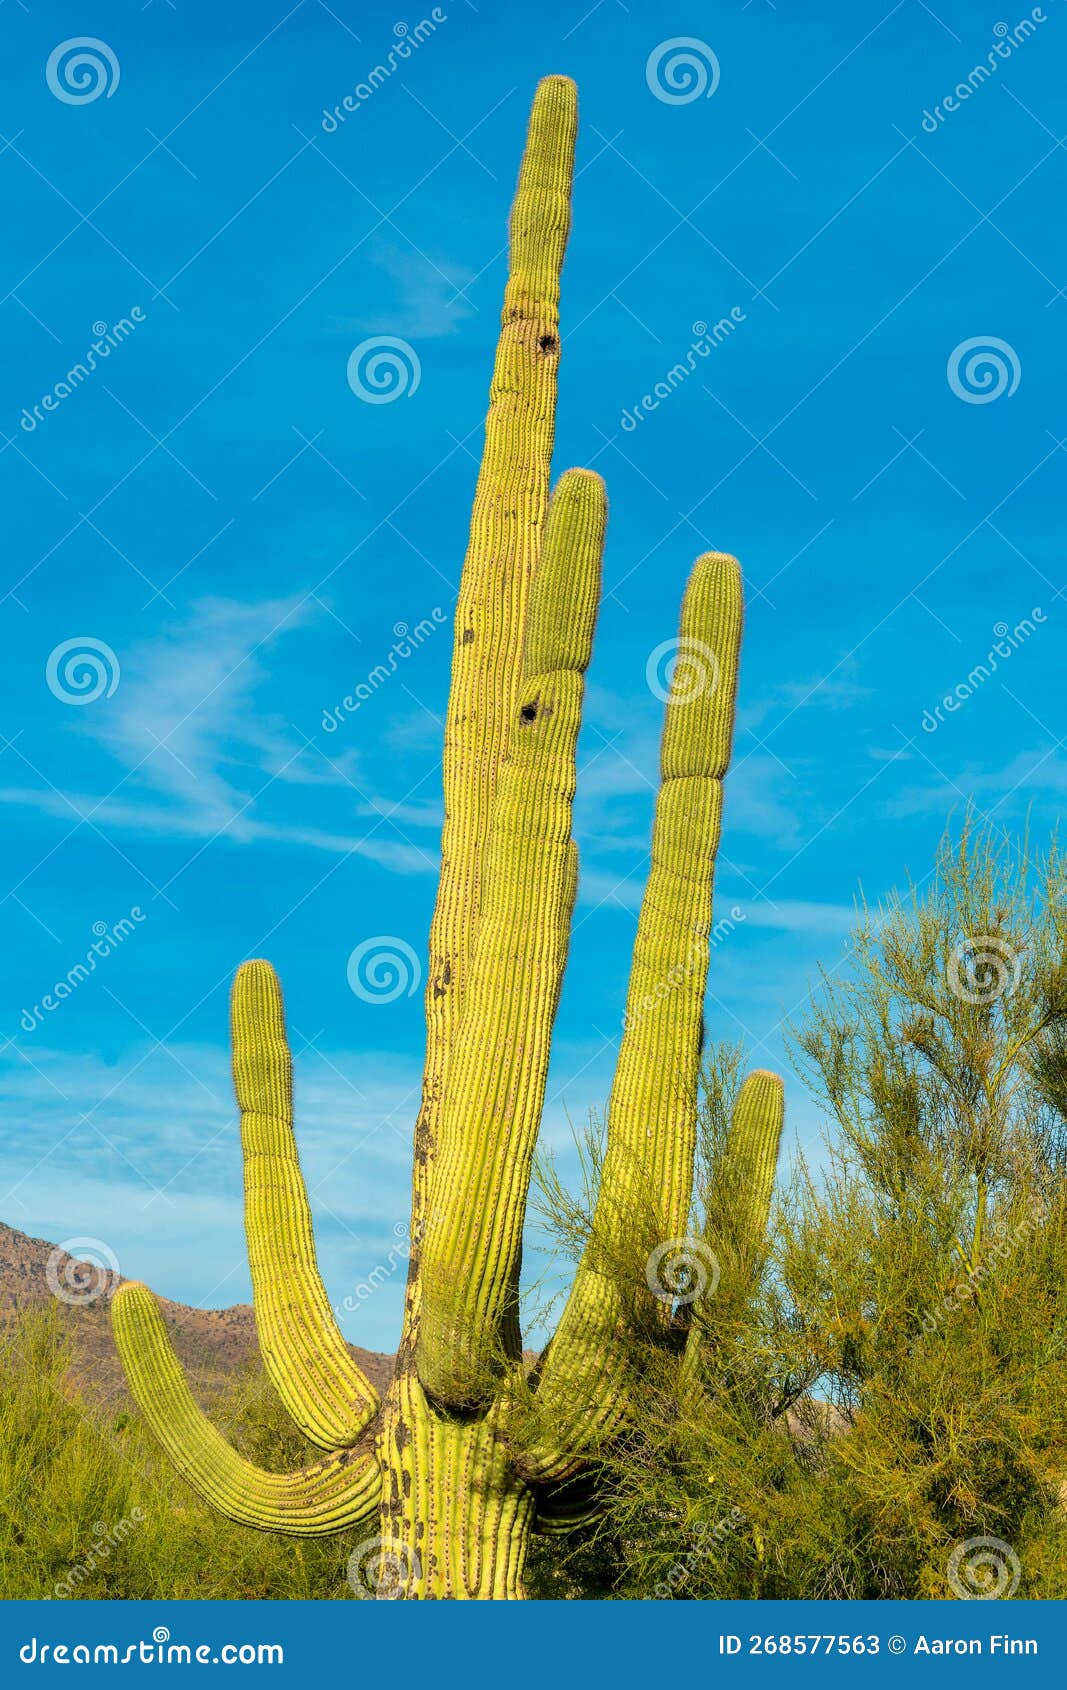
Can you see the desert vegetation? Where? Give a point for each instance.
(92, 1508)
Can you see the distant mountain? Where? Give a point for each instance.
(213, 1344)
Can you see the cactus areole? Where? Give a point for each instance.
(470, 1452)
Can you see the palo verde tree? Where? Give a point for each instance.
(923, 1272)
(884, 1409)
(467, 1454)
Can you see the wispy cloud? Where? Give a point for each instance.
(839, 693)
(1025, 774)
(799, 915)
(765, 798)
(881, 754)
(197, 750)
(428, 302)
(598, 888)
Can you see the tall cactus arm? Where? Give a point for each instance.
(510, 502)
(495, 1089)
(751, 1155)
(306, 1358)
(646, 1180)
(341, 1491)
(735, 1235)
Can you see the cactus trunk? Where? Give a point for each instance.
(469, 1453)
(456, 1518)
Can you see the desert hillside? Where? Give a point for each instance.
(212, 1343)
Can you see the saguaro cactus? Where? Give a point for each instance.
(468, 1453)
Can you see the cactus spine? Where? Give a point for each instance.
(466, 1456)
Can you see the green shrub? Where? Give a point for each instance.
(91, 1508)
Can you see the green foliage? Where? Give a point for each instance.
(893, 1383)
(92, 1508)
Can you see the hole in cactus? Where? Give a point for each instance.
(529, 712)
(547, 343)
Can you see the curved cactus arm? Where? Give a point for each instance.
(471, 1246)
(340, 1491)
(564, 1507)
(306, 1358)
(507, 521)
(646, 1181)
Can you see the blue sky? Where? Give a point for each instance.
(217, 506)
